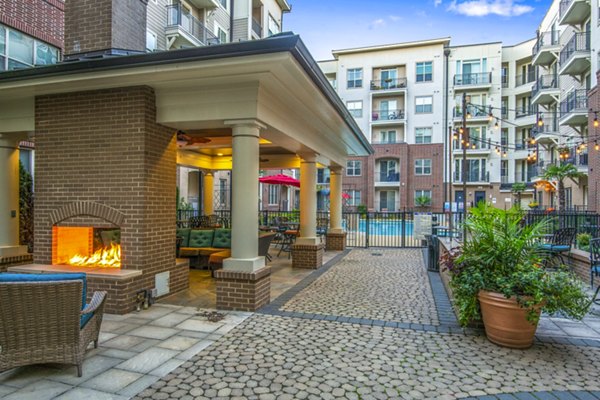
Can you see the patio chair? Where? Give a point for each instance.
(595, 266)
(264, 243)
(322, 224)
(559, 244)
(44, 319)
(289, 238)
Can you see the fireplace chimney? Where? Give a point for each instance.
(104, 28)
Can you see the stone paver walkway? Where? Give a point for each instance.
(135, 351)
(306, 350)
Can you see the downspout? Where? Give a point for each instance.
(446, 133)
(232, 7)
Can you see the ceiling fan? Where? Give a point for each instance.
(183, 139)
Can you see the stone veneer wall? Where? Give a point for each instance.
(105, 147)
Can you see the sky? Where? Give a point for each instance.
(325, 25)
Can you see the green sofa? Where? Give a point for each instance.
(200, 244)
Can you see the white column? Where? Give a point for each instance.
(9, 196)
(208, 189)
(308, 201)
(244, 207)
(335, 200)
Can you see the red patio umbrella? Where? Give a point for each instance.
(346, 196)
(280, 179)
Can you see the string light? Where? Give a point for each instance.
(596, 145)
(596, 123)
(540, 121)
(496, 125)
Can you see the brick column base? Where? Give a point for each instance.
(6, 262)
(243, 291)
(307, 256)
(335, 242)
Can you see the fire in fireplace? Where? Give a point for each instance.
(86, 246)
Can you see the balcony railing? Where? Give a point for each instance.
(380, 141)
(504, 81)
(525, 111)
(388, 177)
(482, 78)
(525, 78)
(177, 17)
(579, 42)
(580, 160)
(504, 112)
(549, 38)
(545, 82)
(474, 175)
(576, 100)
(472, 112)
(387, 115)
(256, 27)
(480, 144)
(549, 125)
(386, 84)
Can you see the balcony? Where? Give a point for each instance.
(185, 30)
(387, 142)
(522, 112)
(545, 90)
(574, 12)
(387, 178)
(504, 81)
(387, 117)
(207, 4)
(482, 80)
(575, 55)
(548, 133)
(477, 146)
(579, 160)
(474, 176)
(474, 114)
(387, 86)
(524, 79)
(257, 28)
(574, 109)
(546, 48)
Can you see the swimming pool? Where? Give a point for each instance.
(392, 227)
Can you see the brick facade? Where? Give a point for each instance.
(100, 155)
(93, 26)
(593, 155)
(6, 262)
(307, 256)
(42, 19)
(243, 291)
(405, 155)
(335, 242)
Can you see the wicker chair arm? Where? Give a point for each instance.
(97, 300)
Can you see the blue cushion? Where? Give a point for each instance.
(9, 277)
(84, 319)
(555, 248)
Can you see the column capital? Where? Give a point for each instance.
(336, 170)
(308, 157)
(248, 123)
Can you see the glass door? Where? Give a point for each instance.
(388, 78)
(388, 109)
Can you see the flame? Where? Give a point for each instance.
(106, 257)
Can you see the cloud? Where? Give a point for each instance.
(378, 23)
(481, 8)
(395, 18)
(437, 2)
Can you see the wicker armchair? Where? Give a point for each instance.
(44, 322)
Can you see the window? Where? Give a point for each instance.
(274, 194)
(223, 198)
(223, 3)
(150, 41)
(423, 166)
(45, 54)
(387, 200)
(353, 168)
(355, 78)
(354, 197)
(18, 50)
(273, 26)
(425, 71)
(424, 104)
(422, 195)
(323, 175)
(355, 108)
(423, 135)
(387, 136)
(221, 33)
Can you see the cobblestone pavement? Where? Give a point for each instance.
(296, 355)
(270, 357)
(392, 287)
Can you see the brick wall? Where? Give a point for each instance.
(307, 256)
(6, 262)
(42, 19)
(97, 25)
(593, 155)
(105, 148)
(243, 291)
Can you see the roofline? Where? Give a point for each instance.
(474, 44)
(518, 44)
(392, 46)
(283, 42)
(285, 6)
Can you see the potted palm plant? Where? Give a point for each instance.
(497, 277)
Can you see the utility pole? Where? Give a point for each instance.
(465, 143)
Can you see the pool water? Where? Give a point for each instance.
(384, 228)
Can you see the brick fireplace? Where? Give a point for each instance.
(104, 164)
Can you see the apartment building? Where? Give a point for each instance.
(562, 57)
(396, 93)
(594, 115)
(176, 24)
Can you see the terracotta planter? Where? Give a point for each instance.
(505, 321)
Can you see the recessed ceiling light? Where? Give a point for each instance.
(220, 154)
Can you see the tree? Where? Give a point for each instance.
(25, 208)
(559, 173)
(517, 189)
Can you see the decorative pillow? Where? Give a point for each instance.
(185, 234)
(222, 239)
(200, 238)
